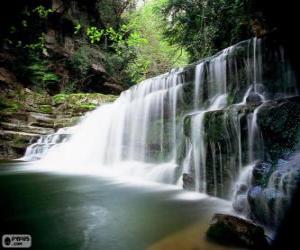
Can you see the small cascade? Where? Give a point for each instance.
(197, 126)
(43, 145)
(281, 186)
(242, 185)
(198, 150)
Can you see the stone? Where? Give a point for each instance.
(58, 6)
(253, 98)
(7, 76)
(234, 231)
(240, 203)
(98, 68)
(188, 181)
(27, 128)
(261, 172)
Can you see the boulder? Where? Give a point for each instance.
(254, 98)
(235, 231)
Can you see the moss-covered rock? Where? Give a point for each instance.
(280, 125)
(25, 115)
(80, 103)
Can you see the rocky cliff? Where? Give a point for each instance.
(45, 45)
(26, 115)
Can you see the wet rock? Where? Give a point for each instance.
(258, 208)
(261, 173)
(13, 144)
(254, 98)
(279, 122)
(231, 230)
(240, 203)
(265, 204)
(188, 181)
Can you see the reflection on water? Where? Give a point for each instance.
(63, 211)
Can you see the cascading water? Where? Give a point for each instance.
(188, 121)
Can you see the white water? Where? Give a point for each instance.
(140, 134)
(117, 136)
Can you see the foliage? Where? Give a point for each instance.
(81, 61)
(155, 55)
(111, 11)
(40, 75)
(94, 34)
(77, 28)
(203, 27)
(42, 11)
(38, 46)
(131, 44)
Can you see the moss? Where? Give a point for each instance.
(87, 107)
(281, 136)
(187, 126)
(79, 98)
(8, 105)
(59, 99)
(46, 109)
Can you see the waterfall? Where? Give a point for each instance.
(187, 122)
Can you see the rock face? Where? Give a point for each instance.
(59, 27)
(273, 186)
(31, 115)
(235, 231)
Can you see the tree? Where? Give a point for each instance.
(155, 55)
(203, 27)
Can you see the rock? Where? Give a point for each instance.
(240, 203)
(13, 144)
(114, 87)
(235, 231)
(98, 68)
(69, 46)
(188, 181)
(255, 198)
(253, 98)
(27, 128)
(41, 120)
(261, 173)
(58, 6)
(264, 204)
(6, 76)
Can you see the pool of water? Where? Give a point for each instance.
(65, 211)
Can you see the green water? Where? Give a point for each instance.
(64, 211)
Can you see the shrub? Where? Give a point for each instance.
(40, 76)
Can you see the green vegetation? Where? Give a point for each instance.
(94, 34)
(63, 51)
(155, 55)
(42, 11)
(203, 27)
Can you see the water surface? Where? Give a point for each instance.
(64, 211)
